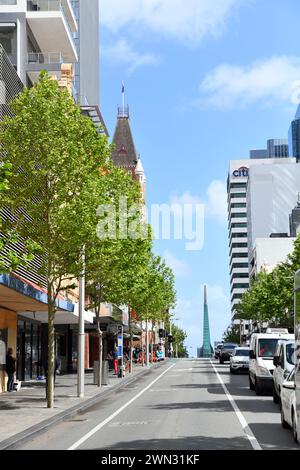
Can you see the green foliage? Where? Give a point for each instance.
(56, 156)
(271, 295)
(232, 335)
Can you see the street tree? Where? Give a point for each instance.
(117, 252)
(56, 156)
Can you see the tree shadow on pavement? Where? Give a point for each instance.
(214, 406)
(195, 443)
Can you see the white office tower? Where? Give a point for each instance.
(239, 222)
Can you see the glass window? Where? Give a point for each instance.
(290, 349)
(267, 347)
(242, 352)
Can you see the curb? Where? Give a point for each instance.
(46, 424)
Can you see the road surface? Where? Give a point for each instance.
(182, 405)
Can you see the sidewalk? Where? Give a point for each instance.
(25, 413)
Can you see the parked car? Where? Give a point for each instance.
(284, 364)
(226, 352)
(262, 351)
(218, 350)
(288, 404)
(239, 361)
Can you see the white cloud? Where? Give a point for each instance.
(180, 267)
(215, 200)
(271, 80)
(122, 53)
(189, 21)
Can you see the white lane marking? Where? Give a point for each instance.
(241, 418)
(116, 413)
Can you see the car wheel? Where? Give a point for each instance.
(251, 386)
(231, 370)
(275, 396)
(284, 424)
(295, 432)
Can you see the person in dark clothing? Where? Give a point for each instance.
(10, 369)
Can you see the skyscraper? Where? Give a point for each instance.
(294, 136)
(206, 350)
(276, 148)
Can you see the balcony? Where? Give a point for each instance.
(38, 61)
(52, 23)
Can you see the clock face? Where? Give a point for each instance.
(122, 149)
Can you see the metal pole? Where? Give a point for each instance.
(81, 334)
(147, 345)
(171, 344)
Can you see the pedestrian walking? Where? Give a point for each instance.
(10, 369)
(116, 361)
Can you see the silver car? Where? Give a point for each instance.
(239, 361)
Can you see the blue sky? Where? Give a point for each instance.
(206, 80)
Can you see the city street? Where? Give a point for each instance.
(181, 405)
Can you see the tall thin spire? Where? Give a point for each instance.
(206, 348)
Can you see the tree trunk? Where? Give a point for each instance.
(100, 352)
(51, 351)
(142, 345)
(130, 342)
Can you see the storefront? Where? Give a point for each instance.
(8, 339)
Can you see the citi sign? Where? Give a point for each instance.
(242, 172)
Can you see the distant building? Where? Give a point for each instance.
(259, 153)
(124, 154)
(268, 253)
(295, 220)
(294, 136)
(271, 196)
(242, 224)
(276, 148)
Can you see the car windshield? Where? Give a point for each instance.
(267, 347)
(242, 352)
(290, 349)
(229, 346)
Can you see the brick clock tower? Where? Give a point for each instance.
(124, 153)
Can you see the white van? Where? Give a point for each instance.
(262, 351)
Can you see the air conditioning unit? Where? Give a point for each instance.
(278, 330)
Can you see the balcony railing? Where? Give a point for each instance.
(49, 5)
(46, 58)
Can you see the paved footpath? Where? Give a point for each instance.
(25, 413)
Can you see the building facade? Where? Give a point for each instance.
(295, 220)
(267, 253)
(294, 136)
(38, 35)
(272, 194)
(124, 154)
(241, 222)
(276, 148)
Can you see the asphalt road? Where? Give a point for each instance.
(181, 405)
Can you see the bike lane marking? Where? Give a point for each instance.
(116, 413)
